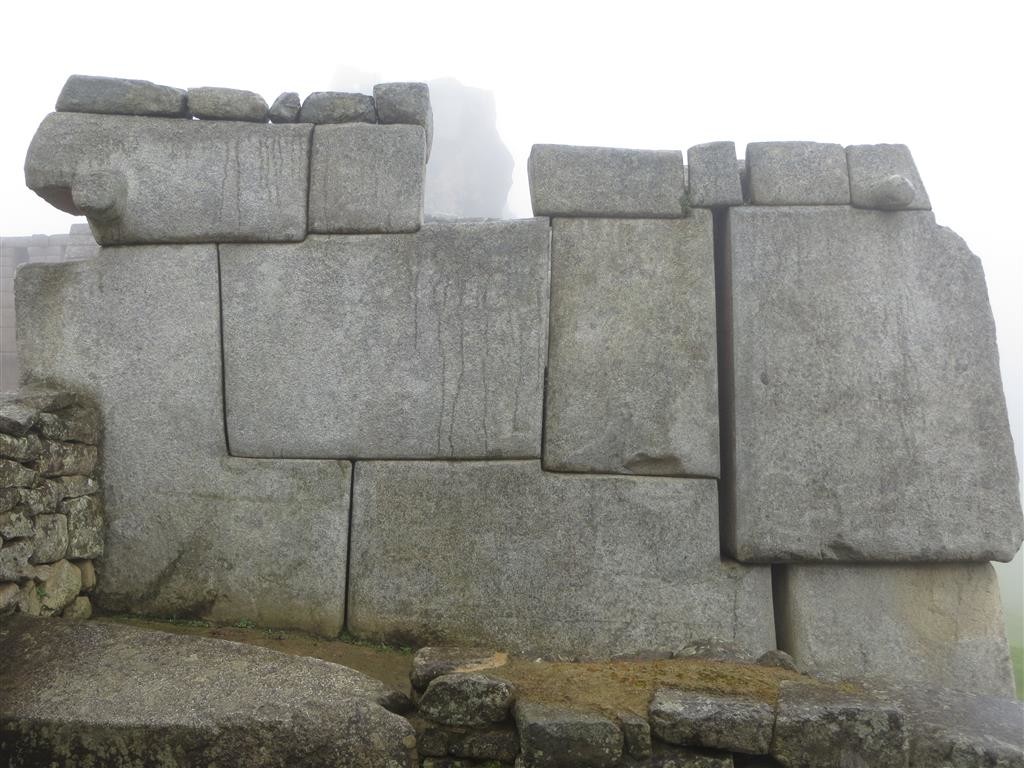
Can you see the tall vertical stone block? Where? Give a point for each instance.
(870, 422)
(632, 368)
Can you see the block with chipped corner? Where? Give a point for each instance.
(190, 530)
(714, 178)
(934, 624)
(502, 553)
(366, 179)
(429, 345)
(407, 103)
(870, 422)
(884, 176)
(632, 364)
(797, 173)
(603, 181)
(141, 180)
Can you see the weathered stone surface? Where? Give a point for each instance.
(821, 726)
(551, 736)
(591, 565)
(431, 738)
(79, 608)
(407, 103)
(190, 530)
(939, 624)
(711, 648)
(117, 96)
(797, 173)
(38, 500)
(14, 560)
(62, 583)
(428, 346)
(497, 743)
(636, 734)
(88, 571)
(14, 475)
(8, 597)
(884, 176)
(66, 459)
(861, 342)
(714, 177)
(227, 104)
(780, 659)
(16, 524)
(665, 756)
(20, 448)
(91, 689)
(85, 526)
(16, 418)
(467, 698)
(160, 181)
(366, 178)
(50, 542)
(332, 107)
(600, 181)
(74, 486)
(285, 108)
(28, 599)
(632, 364)
(732, 723)
(433, 661)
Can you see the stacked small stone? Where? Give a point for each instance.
(51, 509)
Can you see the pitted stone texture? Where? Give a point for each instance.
(434, 661)
(366, 178)
(601, 181)
(714, 178)
(190, 531)
(79, 608)
(797, 173)
(467, 698)
(14, 560)
(938, 624)
(227, 104)
(285, 108)
(15, 475)
(636, 734)
(172, 181)
(333, 107)
(427, 346)
(632, 366)
(872, 168)
(117, 96)
(405, 103)
(93, 690)
(589, 564)
(66, 459)
(870, 421)
(85, 526)
(50, 542)
(551, 737)
(60, 587)
(17, 418)
(731, 723)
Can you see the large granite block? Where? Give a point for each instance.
(870, 422)
(389, 346)
(407, 103)
(145, 180)
(503, 553)
(938, 624)
(190, 530)
(797, 173)
(366, 178)
(601, 181)
(884, 176)
(632, 367)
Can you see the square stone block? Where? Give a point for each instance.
(872, 183)
(714, 177)
(797, 173)
(632, 365)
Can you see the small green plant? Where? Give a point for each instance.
(245, 624)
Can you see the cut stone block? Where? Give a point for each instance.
(632, 364)
(551, 736)
(797, 173)
(190, 530)
(171, 181)
(872, 183)
(870, 421)
(333, 107)
(467, 698)
(227, 104)
(405, 103)
(366, 178)
(714, 721)
(427, 346)
(714, 178)
(504, 553)
(938, 624)
(117, 96)
(601, 181)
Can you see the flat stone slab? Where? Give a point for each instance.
(632, 364)
(551, 736)
(190, 530)
(935, 624)
(714, 177)
(602, 181)
(227, 104)
(89, 690)
(731, 723)
(173, 181)
(503, 553)
(118, 96)
(335, 107)
(876, 171)
(862, 341)
(426, 346)
(797, 173)
(366, 178)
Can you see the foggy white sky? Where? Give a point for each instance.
(942, 78)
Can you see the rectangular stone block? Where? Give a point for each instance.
(367, 178)
(141, 180)
(632, 368)
(937, 624)
(190, 530)
(503, 553)
(389, 346)
(872, 184)
(118, 96)
(797, 173)
(714, 177)
(601, 181)
(870, 422)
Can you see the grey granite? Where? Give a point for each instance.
(227, 104)
(714, 721)
(551, 737)
(335, 107)
(884, 176)
(433, 661)
(117, 96)
(467, 699)
(405, 103)
(285, 108)
(797, 173)
(714, 178)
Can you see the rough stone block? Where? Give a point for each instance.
(636, 734)
(870, 421)
(85, 526)
(117, 96)
(797, 173)
(169, 181)
(16, 418)
(59, 589)
(79, 608)
(714, 177)
(21, 448)
(50, 542)
(467, 698)
(407, 103)
(732, 723)
(14, 560)
(14, 475)
(427, 346)
(600, 181)
(501, 552)
(227, 104)
(434, 661)
(632, 364)
(190, 530)
(66, 459)
(366, 178)
(884, 176)
(8, 597)
(16, 524)
(939, 624)
(88, 571)
(332, 107)
(551, 736)
(285, 108)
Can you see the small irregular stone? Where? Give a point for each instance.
(551, 737)
(17, 419)
(227, 104)
(780, 659)
(51, 540)
(62, 585)
(28, 599)
(73, 486)
(8, 597)
(66, 459)
(20, 448)
(636, 733)
(14, 560)
(333, 107)
(285, 108)
(38, 500)
(467, 699)
(76, 424)
(716, 650)
(733, 723)
(118, 96)
(435, 660)
(405, 103)
(79, 608)
(88, 571)
(85, 527)
(14, 475)
(16, 524)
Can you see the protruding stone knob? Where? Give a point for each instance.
(892, 193)
(100, 195)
